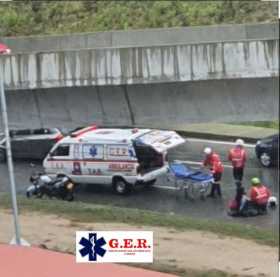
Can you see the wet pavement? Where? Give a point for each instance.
(163, 198)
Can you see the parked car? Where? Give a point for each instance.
(118, 157)
(30, 143)
(4, 49)
(267, 150)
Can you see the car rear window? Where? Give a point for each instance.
(42, 131)
(28, 132)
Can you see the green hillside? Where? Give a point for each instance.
(35, 17)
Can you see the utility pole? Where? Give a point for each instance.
(5, 50)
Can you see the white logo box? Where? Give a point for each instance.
(114, 246)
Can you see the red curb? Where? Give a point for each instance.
(19, 261)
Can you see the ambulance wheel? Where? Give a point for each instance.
(120, 186)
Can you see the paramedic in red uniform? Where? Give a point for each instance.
(213, 161)
(259, 194)
(238, 157)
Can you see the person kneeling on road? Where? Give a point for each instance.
(240, 196)
(213, 161)
(256, 204)
(259, 195)
(236, 206)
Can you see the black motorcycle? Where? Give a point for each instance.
(42, 185)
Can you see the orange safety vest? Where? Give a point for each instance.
(260, 194)
(237, 156)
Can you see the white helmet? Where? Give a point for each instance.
(207, 150)
(239, 142)
(272, 202)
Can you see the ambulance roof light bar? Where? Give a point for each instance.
(83, 131)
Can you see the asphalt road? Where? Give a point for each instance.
(163, 197)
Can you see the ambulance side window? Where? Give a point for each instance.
(93, 151)
(120, 152)
(61, 150)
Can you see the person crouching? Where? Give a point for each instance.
(259, 195)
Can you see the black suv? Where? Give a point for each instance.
(267, 150)
(30, 143)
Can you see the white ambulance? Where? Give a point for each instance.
(121, 157)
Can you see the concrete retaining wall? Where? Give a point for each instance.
(153, 105)
(154, 78)
(222, 60)
(148, 37)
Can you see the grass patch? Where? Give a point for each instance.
(84, 212)
(263, 124)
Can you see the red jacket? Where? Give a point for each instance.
(213, 160)
(237, 156)
(260, 194)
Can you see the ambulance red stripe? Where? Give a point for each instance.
(92, 161)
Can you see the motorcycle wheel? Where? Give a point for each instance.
(69, 197)
(40, 195)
